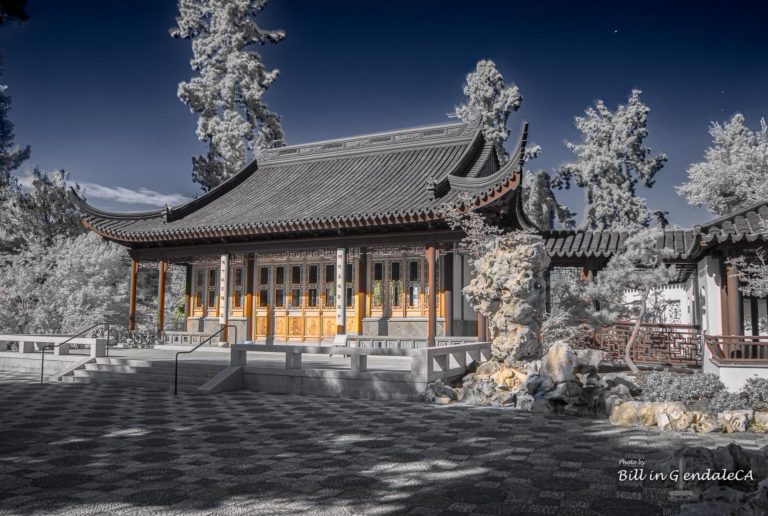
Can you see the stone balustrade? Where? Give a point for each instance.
(364, 341)
(182, 338)
(31, 343)
(427, 364)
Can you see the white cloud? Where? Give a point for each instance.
(121, 194)
(130, 196)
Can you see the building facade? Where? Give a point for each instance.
(341, 237)
(347, 237)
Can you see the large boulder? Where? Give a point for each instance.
(588, 360)
(703, 422)
(538, 385)
(626, 414)
(565, 392)
(558, 363)
(760, 422)
(629, 381)
(509, 378)
(672, 415)
(735, 420)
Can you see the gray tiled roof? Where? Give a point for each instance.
(381, 179)
(603, 244)
(744, 226)
(747, 225)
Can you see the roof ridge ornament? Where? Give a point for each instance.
(166, 213)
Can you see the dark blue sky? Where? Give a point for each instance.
(94, 82)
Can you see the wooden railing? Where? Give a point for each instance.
(656, 343)
(738, 349)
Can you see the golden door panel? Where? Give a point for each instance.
(312, 326)
(262, 326)
(280, 326)
(329, 326)
(295, 326)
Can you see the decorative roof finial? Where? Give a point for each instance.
(432, 185)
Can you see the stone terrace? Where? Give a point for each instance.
(102, 449)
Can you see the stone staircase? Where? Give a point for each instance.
(143, 373)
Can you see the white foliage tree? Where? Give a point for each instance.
(753, 273)
(228, 93)
(540, 203)
(44, 212)
(639, 268)
(64, 287)
(11, 155)
(734, 173)
(611, 160)
(490, 101)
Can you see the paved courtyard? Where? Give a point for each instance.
(101, 449)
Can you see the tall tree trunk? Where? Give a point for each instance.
(635, 333)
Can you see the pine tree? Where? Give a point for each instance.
(46, 211)
(490, 101)
(734, 173)
(611, 161)
(540, 203)
(227, 93)
(639, 268)
(11, 156)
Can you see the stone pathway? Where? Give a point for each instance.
(99, 449)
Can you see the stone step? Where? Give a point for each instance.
(76, 378)
(190, 370)
(164, 379)
(160, 364)
(129, 381)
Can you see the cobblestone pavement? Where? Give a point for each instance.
(101, 449)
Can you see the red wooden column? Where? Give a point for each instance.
(482, 327)
(733, 300)
(362, 269)
(447, 286)
(161, 297)
(250, 275)
(429, 253)
(132, 302)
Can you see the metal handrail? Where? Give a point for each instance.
(176, 366)
(70, 339)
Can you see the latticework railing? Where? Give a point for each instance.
(656, 343)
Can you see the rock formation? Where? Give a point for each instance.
(508, 288)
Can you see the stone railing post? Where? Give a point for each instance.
(293, 359)
(99, 348)
(359, 363)
(238, 357)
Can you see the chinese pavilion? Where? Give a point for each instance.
(330, 238)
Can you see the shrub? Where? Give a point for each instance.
(755, 393)
(724, 400)
(669, 386)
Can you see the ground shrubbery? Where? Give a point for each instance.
(669, 386)
(704, 388)
(755, 393)
(724, 401)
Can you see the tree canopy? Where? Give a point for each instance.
(228, 93)
(611, 160)
(734, 172)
